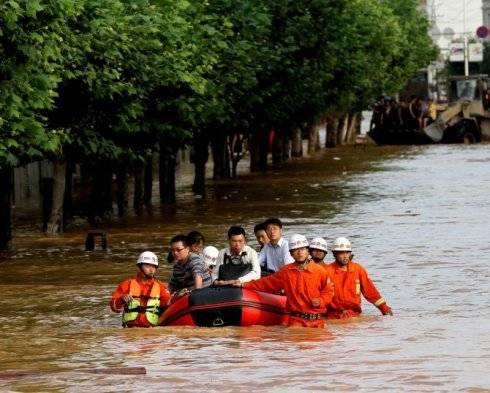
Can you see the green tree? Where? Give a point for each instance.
(415, 49)
(32, 52)
(116, 95)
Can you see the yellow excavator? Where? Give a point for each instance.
(467, 117)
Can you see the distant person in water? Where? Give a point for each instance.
(236, 262)
(275, 254)
(318, 249)
(261, 234)
(142, 298)
(430, 114)
(307, 286)
(190, 272)
(351, 281)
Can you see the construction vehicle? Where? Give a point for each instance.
(467, 118)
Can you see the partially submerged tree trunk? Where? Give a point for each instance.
(312, 132)
(297, 143)
(5, 217)
(318, 145)
(332, 126)
(138, 185)
(234, 145)
(168, 164)
(100, 192)
(254, 148)
(263, 149)
(122, 189)
(55, 222)
(103, 181)
(148, 181)
(278, 147)
(68, 200)
(200, 159)
(353, 128)
(342, 129)
(221, 159)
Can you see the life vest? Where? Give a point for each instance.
(230, 270)
(152, 309)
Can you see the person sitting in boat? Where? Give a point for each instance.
(210, 257)
(307, 286)
(195, 240)
(318, 250)
(190, 272)
(142, 298)
(351, 280)
(261, 234)
(275, 254)
(236, 262)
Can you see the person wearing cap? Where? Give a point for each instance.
(318, 250)
(210, 256)
(141, 299)
(189, 272)
(275, 254)
(236, 262)
(351, 281)
(307, 286)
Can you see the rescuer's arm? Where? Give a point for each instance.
(371, 293)
(326, 293)
(272, 284)
(120, 297)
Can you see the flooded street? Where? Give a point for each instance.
(418, 218)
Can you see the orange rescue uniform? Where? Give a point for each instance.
(300, 287)
(349, 285)
(117, 305)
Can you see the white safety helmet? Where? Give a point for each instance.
(297, 241)
(341, 244)
(319, 243)
(210, 255)
(147, 257)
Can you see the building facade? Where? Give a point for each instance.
(485, 8)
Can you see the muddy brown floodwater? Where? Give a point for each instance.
(418, 218)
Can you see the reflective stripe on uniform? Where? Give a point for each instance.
(379, 302)
(358, 287)
(152, 309)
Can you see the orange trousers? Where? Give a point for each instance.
(344, 314)
(301, 322)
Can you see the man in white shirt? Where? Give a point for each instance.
(275, 254)
(236, 262)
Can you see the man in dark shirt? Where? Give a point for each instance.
(195, 241)
(190, 271)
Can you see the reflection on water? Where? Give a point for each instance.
(418, 219)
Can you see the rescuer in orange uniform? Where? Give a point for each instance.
(307, 286)
(142, 298)
(350, 280)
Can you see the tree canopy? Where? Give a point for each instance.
(108, 78)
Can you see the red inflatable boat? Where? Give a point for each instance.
(226, 306)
